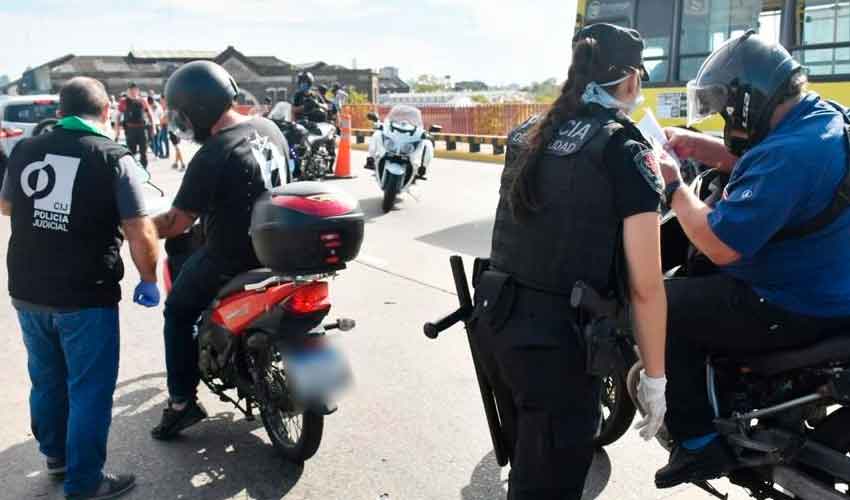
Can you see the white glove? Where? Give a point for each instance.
(651, 399)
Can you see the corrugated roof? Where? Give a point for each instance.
(268, 61)
(174, 54)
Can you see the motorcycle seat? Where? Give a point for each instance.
(238, 283)
(835, 349)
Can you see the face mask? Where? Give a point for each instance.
(595, 93)
(304, 87)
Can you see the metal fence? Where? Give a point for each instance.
(482, 119)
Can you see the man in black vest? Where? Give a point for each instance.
(135, 110)
(73, 196)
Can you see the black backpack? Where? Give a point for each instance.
(134, 112)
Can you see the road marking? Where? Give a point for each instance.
(372, 261)
(381, 265)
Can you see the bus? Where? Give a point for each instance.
(680, 34)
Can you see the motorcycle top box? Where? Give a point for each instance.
(306, 228)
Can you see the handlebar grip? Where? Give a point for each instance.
(433, 330)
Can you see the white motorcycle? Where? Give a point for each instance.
(400, 151)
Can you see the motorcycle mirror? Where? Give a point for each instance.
(372, 116)
(435, 129)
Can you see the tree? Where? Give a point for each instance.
(480, 99)
(4, 79)
(355, 97)
(426, 83)
(545, 91)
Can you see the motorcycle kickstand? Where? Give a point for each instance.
(711, 490)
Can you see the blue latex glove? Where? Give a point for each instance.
(146, 294)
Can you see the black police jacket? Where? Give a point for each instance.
(66, 238)
(576, 234)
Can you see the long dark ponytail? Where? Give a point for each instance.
(588, 65)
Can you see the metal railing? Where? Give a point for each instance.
(478, 120)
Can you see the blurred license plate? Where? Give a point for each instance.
(318, 375)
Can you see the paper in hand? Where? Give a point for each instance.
(652, 130)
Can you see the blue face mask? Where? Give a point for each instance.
(596, 93)
(304, 87)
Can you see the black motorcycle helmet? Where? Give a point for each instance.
(305, 77)
(198, 93)
(744, 81)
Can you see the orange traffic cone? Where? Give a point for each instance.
(343, 156)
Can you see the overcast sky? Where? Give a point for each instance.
(497, 41)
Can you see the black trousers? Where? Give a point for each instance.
(536, 367)
(718, 314)
(195, 287)
(137, 142)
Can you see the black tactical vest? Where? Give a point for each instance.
(574, 235)
(64, 249)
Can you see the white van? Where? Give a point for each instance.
(20, 117)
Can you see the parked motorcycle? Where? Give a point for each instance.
(312, 141)
(264, 335)
(400, 151)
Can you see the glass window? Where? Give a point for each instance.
(825, 22)
(655, 23)
(657, 70)
(31, 113)
(612, 11)
(707, 24)
(654, 20)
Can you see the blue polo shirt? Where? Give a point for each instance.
(785, 181)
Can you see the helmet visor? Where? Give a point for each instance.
(704, 101)
(181, 125)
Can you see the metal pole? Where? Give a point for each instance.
(675, 42)
(788, 24)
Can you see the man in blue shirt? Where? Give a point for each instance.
(785, 279)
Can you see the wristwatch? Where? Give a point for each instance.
(670, 190)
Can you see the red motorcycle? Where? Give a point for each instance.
(263, 336)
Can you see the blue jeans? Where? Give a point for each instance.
(196, 285)
(164, 145)
(73, 367)
(154, 141)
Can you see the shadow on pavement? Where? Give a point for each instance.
(472, 238)
(486, 482)
(219, 458)
(372, 208)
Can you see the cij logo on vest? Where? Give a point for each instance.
(50, 184)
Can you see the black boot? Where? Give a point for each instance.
(174, 421)
(421, 172)
(687, 466)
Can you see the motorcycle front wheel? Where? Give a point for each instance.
(295, 436)
(391, 190)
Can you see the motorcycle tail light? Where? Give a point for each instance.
(308, 299)
(8, 133)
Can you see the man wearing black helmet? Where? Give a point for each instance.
(240, 158)
(780, 234)
(304, 87)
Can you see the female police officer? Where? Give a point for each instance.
(579, 189)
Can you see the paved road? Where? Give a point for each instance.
(411, 429)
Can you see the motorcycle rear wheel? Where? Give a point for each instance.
(295, 436)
